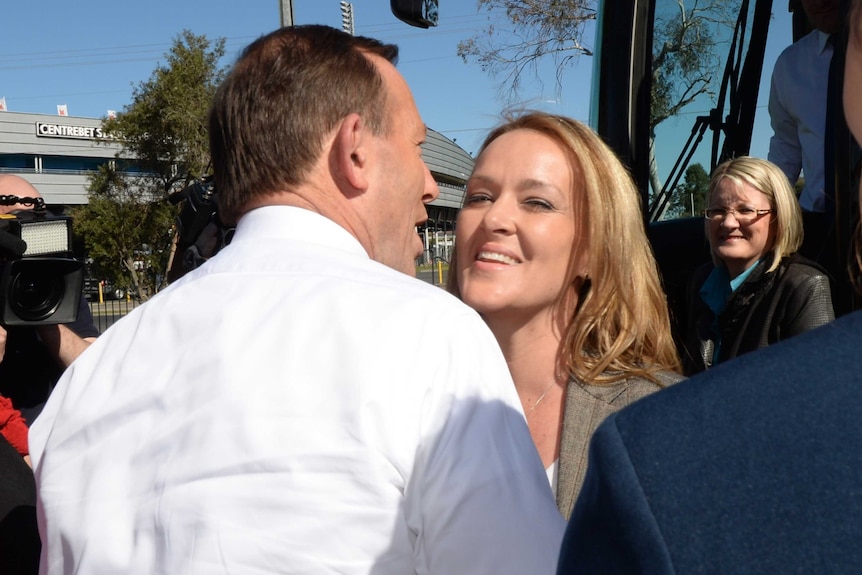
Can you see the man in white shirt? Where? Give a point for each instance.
(797, 103)
(296, 405)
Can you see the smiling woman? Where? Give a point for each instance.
(551, 251)
(757, 291)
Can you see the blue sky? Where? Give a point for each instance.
(88, 54)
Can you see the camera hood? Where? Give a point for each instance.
(40, 291)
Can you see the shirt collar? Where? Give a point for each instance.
(718, 286)
(822, 41)
(716, 289)
(737, 281)
(291, 223)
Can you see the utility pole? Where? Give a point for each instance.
(286, 12)
(347, 17)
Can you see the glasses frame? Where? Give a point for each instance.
(724, 212)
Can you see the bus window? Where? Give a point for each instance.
(700, 50)
(681, 85)
(673, 102)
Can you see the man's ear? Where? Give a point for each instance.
(350, 152)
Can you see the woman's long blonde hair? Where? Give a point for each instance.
(620, 326)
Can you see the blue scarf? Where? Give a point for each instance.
(715, 292)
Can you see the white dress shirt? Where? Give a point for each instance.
(797, 111)
(292, 407)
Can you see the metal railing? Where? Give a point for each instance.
(107, 313)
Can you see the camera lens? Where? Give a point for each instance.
(35, 294)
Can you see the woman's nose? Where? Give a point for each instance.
(730, 220)
(500, 216)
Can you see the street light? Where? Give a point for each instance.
(286, 7)
(347, 17)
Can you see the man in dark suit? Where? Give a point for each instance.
(752, 467)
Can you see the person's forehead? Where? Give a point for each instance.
(18, 187)
(12, 186)
(396, 86)
(738, 189)
(401, 108)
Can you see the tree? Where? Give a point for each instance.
(684, 61)
(684, 57)
(534, 29)
(127, 224)
(689, 199)
(684, 53)
(127, 236)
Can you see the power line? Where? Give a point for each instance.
(393, 31)
(88, 56)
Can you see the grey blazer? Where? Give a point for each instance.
(586, 406)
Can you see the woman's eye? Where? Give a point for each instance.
(539, 204)
(476, 198)
(745, 211)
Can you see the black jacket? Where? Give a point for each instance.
(765, 309)
(29, 371)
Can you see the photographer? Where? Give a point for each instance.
(33, 358)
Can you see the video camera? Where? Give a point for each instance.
(200, 232)
(40, 281)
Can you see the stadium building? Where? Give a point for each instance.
(58, 153)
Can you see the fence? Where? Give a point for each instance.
(438, 246)
(105, 314)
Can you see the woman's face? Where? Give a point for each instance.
(516, 233)
(736, 244)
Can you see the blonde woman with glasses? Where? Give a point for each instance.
(757, 291)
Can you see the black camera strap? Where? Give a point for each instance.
(37, 203)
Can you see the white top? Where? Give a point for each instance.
(797, 110)
(292, 407)
(553, 473)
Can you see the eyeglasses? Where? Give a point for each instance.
(742, 215)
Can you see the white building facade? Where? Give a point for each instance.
(55, 153)
(58, 153)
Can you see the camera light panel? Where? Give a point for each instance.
(45, 237)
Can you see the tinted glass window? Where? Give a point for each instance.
(699, 52)
(14, 162)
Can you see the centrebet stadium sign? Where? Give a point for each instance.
(45, 130)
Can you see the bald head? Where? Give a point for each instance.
(11, 185)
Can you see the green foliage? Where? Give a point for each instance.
(126, 231)
(165, 126)
(127, 225)
(692, 191)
